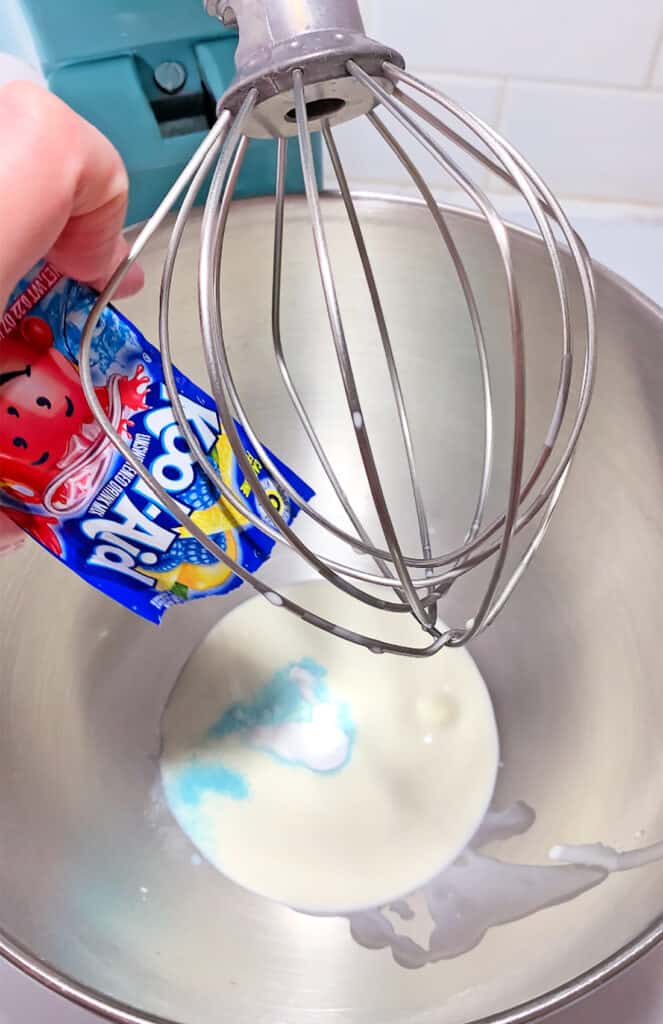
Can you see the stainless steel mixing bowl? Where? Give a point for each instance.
(99, 895)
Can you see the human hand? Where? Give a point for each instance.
(11, 537)
(63, 195)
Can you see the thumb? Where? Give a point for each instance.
(10, 536)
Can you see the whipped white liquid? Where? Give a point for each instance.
(452, 913)
(476, 893)
(312, 772)
(606, 857)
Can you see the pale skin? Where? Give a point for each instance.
(63, 195)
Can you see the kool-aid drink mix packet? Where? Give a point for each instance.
(65, 483)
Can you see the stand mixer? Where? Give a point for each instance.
(307, 67)
(101, 899)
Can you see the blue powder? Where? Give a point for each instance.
(278, 702)
(197, 778)
(281, 702)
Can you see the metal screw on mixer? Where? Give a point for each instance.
(310, 67)
(170, 77)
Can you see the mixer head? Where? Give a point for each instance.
(309, 67)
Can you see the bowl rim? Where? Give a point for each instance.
(532, 1010)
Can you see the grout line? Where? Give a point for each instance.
(492, 182)
(658, 50)
(588, 197)
(501, 103)
(621, 208)
(618, 207)
(579, 197)
(571, 83)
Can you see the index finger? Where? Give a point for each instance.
(63, 192)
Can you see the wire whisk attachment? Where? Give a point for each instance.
(301, 74)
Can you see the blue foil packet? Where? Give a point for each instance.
(64, 482)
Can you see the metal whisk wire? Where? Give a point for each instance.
(417, 581)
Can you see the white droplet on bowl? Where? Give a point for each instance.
(437, 711)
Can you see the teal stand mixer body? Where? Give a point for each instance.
(148, 75)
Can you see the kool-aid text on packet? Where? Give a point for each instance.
(64, 482)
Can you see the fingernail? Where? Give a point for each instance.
(132, 283)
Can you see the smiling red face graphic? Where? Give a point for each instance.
(42, 406)
(51, 449)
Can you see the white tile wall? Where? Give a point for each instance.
(577, 85)
(590, 143)
(608, 41)
(369, 160)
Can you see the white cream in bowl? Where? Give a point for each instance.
(320, 775)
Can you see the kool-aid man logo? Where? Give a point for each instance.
(123, 519)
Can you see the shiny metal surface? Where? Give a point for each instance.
(315, 37)
(419, 580)
(100, 897)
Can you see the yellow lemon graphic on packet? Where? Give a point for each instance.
(191, 566)
(229, 472)
(188, 565)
